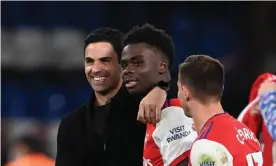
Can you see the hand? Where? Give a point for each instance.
(151, 105)
(266, 86)
(255, 109)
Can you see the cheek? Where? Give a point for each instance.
(87, 69)
(149, 76)
(113, 71)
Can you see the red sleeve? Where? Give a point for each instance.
(254, 123)
(246, 118)
(181, 158)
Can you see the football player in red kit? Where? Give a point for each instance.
(222, 140)
(252, 117)
(146, 60)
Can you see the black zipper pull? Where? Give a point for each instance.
(104, 147)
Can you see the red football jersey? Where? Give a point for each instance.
(256, 124)
(169, 141)
(224, 141)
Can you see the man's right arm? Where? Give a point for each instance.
(66, 153)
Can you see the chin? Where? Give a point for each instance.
(136, 90)
(133, 91)
(101, 90)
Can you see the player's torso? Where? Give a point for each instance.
(170, 139)
(241, 143)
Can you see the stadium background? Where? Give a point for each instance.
(42, 53)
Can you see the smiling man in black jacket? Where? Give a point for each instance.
(104, 131)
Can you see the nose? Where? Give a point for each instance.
(96, 68)
(128, 71)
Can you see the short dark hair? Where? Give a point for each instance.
(105, 34)
(204, 76)
(152, 36)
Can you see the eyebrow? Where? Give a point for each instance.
(105, 58)
(101, 59)
(133, 58)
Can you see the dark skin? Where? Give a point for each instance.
(144, 65)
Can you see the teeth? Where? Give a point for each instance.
(131, 84)
(99, 78)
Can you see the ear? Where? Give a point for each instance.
(179, 85)
(186, 92)
(163, 67)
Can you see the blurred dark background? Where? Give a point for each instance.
(42, 52)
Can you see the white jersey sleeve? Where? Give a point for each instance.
(206, 152)
(174, 135)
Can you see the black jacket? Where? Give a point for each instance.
(79, 145)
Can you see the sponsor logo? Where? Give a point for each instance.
(206, 160)
(178, 133)
(207, 163)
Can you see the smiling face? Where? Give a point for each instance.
(141, 66)
(102, 69)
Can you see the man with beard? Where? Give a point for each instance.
(146, 59)
(104, 131)
(222, 140)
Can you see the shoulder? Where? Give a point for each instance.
(76, 116)
(219, 125)
(207, 152)
(174, 125)
(72, 127)
(174, 114)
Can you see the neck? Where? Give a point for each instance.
(201, 113)
(102, 99)
(164, 78)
